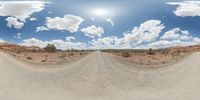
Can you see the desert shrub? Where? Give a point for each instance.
(126, 54)
(63, 55)
(178, 51)
(184, 51)
(45, 60)
(71, 54)
(18, 52)
(29, 58)
(151, 52)
(34, 50)
(165, 52)
(50, 48)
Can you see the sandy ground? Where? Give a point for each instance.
(99, 77)
(158, 59)
(41, 58)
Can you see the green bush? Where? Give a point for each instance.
(50, 48)
(126, 54)
(151, 52)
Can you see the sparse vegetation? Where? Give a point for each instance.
(18, 52)
(151, 51)
(29, 58)
(50, 48)
(62, 56)
(126, 54)
(50, 54)
(45, 60)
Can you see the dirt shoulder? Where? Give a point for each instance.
(46, 58)
(150, 61)
(153, 58)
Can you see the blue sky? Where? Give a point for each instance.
(105, 24)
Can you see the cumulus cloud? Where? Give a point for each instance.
(109, 20)
(176, 33)
(93, 31)
(49, 12)
(147, 35)
(105, 43)
(41, 28)
(33, 19)
(196, 40)
(146, 32)
(186, 8)
(18, 36)
(70, 38)
(60, 44)
(20, 10)
(69, 23)
(14, 22)
(170, 43)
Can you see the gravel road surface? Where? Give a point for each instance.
(99, 77)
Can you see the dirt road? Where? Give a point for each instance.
(99, 77)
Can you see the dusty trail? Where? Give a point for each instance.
(99, 77)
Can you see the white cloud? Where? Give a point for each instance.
(70, 38)
(146, 36)
(18, 36)
(105, 43)
(143, 37)
(109, 20)
(196, 40)
(186, 8)
(93, 31)
(49, 12)
(60, 44)
(2, 41)
(176, 33)
(69, 23)
(14, 22)
(34, 42)
(20, 10)
(170, 43)
(146, 32)
(33, 19)
(41, 28)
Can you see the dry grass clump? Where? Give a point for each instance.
(126, 54)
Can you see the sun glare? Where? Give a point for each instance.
(100, 12)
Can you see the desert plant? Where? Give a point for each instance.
(50, 48)
(29, 58)
(45, 60)
(184, 51)
(151, 52)
(126, 54)
(18, 52)
(63, 55)
(178, 51)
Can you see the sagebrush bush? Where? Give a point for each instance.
(126, 54)
(29, 58)
(50, 48)
(151, 52)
